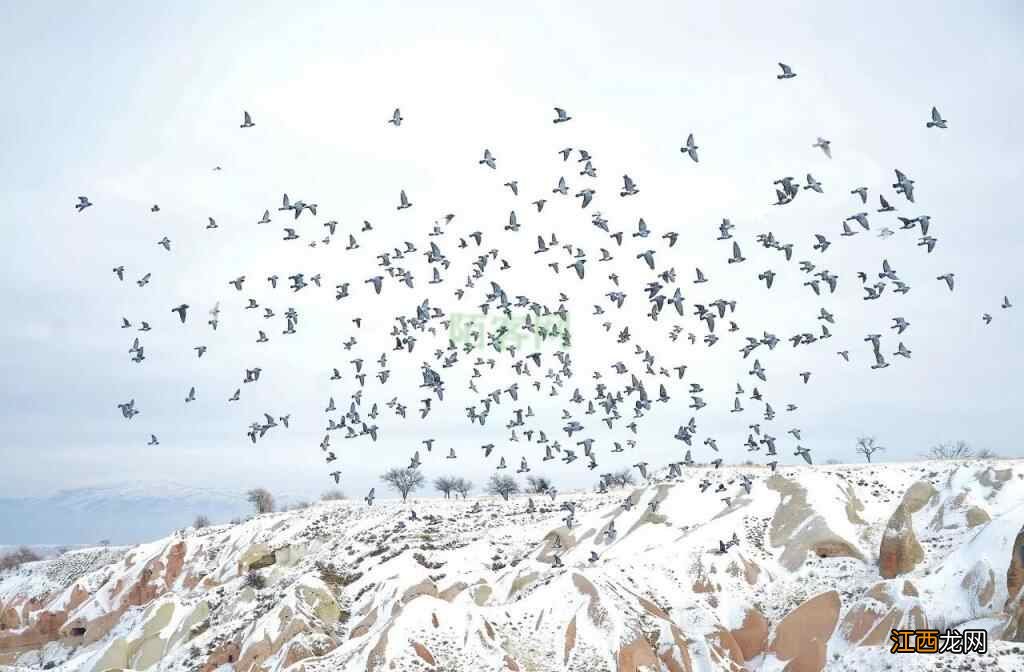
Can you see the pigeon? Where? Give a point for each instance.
(937, 120)
(787, 72)
(180, 310)
(404, 201)
(629, 188)
(561, 117)
(690, 148)
(83, 203)
(736, 257)
(825, 145)
(247, 120)
(396, 118)
(153, 441)
(369, 497)
(488, 160)
(948, 277)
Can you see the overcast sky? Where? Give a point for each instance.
(135, 104)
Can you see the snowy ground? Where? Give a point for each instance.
(471, 584)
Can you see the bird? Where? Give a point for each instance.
(180, 310)
(736, 257)
(937, 120)
(246, 120)
(404, 201)
(153, 441)
(191, 394)
(83, 203)
(396, 118)
(488, 160)
(369, 497)
(1006, 303)
(690, 148)
(862, 192)
(787, 72)
(561, 117)
(629, 188)
(825, 145)
(948, 277)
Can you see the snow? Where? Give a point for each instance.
(366, 560)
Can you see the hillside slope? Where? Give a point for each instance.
(829, 559)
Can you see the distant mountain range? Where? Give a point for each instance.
(122, 513)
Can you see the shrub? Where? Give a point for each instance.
(332, 495)
(200, 522)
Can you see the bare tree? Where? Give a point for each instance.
(332, 495)
(986, 454)
(868, 446)
(462, 486)
(261, 499)
(622, 478)
(403, 480)
(951, 450)
(502, 485)
(538, 485)
(445, 484)
(201, 521)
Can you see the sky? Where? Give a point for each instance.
(136, 104)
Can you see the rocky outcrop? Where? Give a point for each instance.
(1015, 570)
(886, 605)
(802, 636)
(752, 635)
(900, 551)
(800, 530)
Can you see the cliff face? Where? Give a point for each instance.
(824, 569)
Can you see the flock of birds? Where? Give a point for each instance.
(621, 395)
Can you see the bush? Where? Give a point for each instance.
(255, 580)
(333, 495)
(261, 499)
(200, 522)
(18, 557)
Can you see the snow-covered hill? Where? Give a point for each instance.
(829, 559)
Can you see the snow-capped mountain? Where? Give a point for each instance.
(810, 570)
(120, 513)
